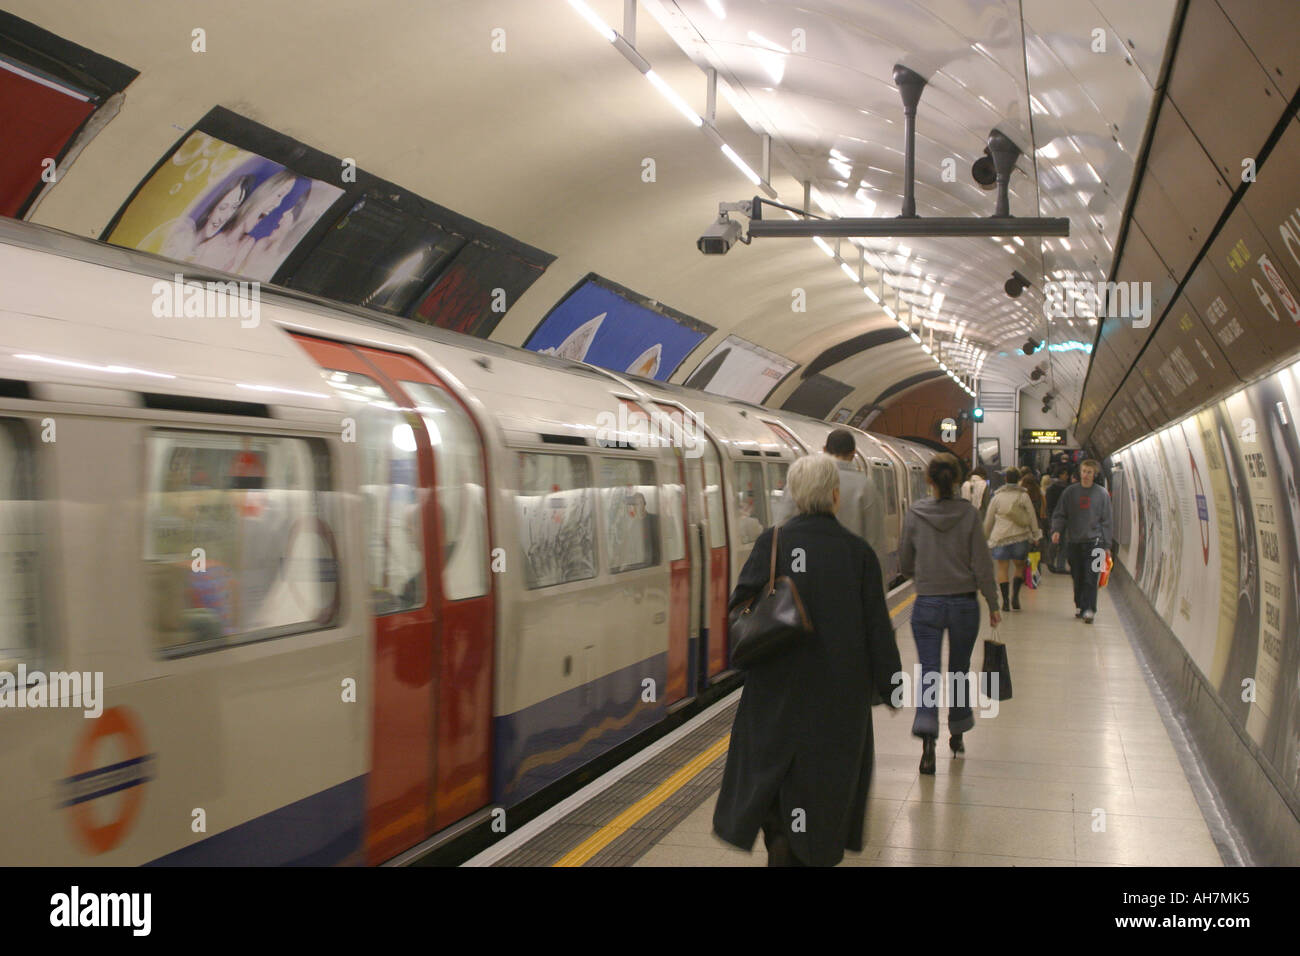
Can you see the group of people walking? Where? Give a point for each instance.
(802, 747)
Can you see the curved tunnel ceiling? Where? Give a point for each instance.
(517, 114)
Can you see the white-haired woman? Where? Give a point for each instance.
(801, 747)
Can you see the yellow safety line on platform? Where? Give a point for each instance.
(611, 831)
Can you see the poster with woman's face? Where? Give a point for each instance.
(215, 205)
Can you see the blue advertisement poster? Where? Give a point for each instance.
(603, 324)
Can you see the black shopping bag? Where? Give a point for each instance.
(995, 675)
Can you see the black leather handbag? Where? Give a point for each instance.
(769, 623)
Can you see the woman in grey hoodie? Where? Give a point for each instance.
(944, 550)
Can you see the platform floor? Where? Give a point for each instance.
(1076, 769)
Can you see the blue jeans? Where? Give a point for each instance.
(960, 616)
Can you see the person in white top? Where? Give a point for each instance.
(975, 489)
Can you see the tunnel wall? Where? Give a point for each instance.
(1207, 524)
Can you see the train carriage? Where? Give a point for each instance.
(351, 580)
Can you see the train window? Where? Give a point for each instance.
(239, 541)
(919, 489)
(390, 486)
(19, 546)
(891, 491)
(674, 503)
(629, 501)
(462, 501)
(713, 495)
(780, 506)
(751, 501)
(554, 507)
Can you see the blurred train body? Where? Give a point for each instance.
(349, 580)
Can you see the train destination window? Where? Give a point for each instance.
(713, 495)
(629, 502)
(555, 512)
(390, 486)
(462, 502)
(240, 541)
(751, 501)
(19, 546)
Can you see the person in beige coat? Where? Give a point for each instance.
(1011, 525)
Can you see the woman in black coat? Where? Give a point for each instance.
(801, 747)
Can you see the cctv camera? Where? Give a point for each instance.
(983, 171)
(1015, 285)
(1031, 345)
(718, 239)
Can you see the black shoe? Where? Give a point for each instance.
(927, 755)
(955, 742)
(1015, 594)
(1015, 603)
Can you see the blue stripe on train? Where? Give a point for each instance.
(321, 830)
(543, 742)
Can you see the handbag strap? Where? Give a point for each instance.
(771, 575)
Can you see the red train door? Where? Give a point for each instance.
(716, 651)
(465, 604)
(399, 530)
(679, 563)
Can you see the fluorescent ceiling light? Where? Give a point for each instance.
(821, 244)
(740, 164)
(1036, 105)
(916, 338)
(871, 294)
(594, 19)
(836, 154)
(764, 42)
(849, 271)
(904, 326)
(842, 168)
(1017, 240)
(716, 8)
(1049, 151)
(671, 96)
(890, 312)
(1009, 247)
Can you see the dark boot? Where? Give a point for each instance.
(1006, 601)
(1015, 594)
(927, 755)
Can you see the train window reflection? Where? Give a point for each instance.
(239, 541)
(390, 486)
(713, 495)
(554, 508)
(751, 501)
(19, 546)
(780, 505)
(630, 504)
(462, 502)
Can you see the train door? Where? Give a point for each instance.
(464, 586)
(780, 505)
(685, 559)
(713, 639)
(431, 595)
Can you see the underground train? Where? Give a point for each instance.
(303, 584)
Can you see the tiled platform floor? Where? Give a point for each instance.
(1077, 769)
